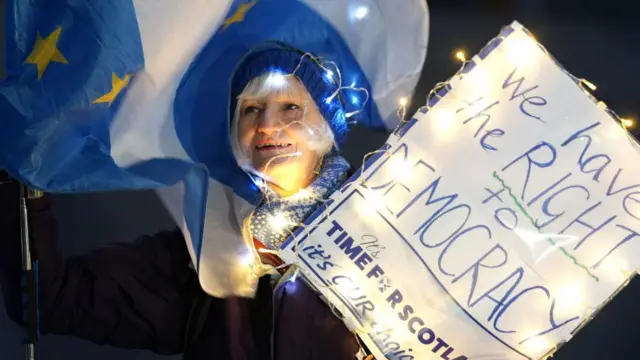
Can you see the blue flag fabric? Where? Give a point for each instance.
(64, 64)
(134, 94)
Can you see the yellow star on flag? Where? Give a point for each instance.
(239, 15)
(46, 51)
(117, 85)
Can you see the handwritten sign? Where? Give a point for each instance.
(494, 224)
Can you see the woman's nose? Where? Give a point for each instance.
(270, 122)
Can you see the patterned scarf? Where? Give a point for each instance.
(275, 218)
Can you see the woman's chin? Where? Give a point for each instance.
(284, 176)
(285, 187)
(277, 165)
(276, 173)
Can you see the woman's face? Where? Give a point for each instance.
(278, 131)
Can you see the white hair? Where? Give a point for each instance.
(275, 83)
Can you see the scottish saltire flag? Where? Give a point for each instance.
(134, 94)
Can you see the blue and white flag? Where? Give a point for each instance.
(134, 94)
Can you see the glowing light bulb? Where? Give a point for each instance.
(444, 118)
(480, 83)
(589, 84)
(537, 344)
(294, 276)
(360, 12)
(372, 204)
(276, 80)
(328, 74)
(330, 98)
(404, 101)
(627, 123)
(568, 298)
(461, 56)
(521, 51)
(247, 258)
(278, 221)
(399, 169)
(374, 199)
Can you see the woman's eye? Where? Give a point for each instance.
(251, 110)
(291, 107)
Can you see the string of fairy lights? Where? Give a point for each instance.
(282, 223)
(278, 220)
(627, 123)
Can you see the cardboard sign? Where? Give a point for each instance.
(493, 225)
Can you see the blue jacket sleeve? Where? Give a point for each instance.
(134, 295)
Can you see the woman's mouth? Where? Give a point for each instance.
(273, 147)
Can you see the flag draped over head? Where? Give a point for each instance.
(135, 94)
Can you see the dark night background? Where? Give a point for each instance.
(597, 40)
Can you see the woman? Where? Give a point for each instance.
(145, 295)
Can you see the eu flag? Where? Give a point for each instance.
(104, 95)
(67, 65)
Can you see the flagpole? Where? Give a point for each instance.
(30, 275)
